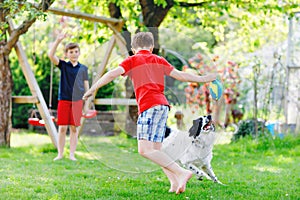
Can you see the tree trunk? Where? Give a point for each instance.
(5, 97)
(6, 45)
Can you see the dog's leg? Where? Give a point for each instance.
(209, 171)
(198, 172)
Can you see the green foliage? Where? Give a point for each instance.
(173, 37)
(15, 9)
(247, 128)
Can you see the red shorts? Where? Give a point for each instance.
(69, 112)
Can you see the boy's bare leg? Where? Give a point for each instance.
(172, 177)
(62, 130)
(73, 141)
(149, 150)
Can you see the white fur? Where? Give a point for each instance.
(193, 153)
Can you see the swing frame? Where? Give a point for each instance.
(37, 97)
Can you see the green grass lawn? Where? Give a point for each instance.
(110, 168)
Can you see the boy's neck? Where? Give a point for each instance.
(143, 49)
(74, 63)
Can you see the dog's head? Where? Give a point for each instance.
(201, 125)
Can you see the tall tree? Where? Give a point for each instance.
(10, 9)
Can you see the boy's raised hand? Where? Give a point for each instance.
(62, 35)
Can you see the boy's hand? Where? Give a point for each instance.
(208, 77)
(212, 76)
(87, 95)
(215, 76)
(61, 36)
(85, 107)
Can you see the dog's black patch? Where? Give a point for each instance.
(167, 132)
(196, 128)
(200, 124)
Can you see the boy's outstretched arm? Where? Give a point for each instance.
(105, 79)
(187, 77)
(86, 88)
(51, 54)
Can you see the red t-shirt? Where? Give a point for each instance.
(147, 71)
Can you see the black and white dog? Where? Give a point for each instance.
(194, 150)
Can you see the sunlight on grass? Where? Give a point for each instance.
(22, 139)
(267, 169)
(88, 155)
(283, 159)
(120, 153)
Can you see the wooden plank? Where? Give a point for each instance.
(113, 23)
(105, 59)
(85, 16)
(121, 43)
(115, 101)
(25, 99)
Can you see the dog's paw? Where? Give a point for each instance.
(200, 178)
(217, 181)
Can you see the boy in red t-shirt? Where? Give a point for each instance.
(147, 71)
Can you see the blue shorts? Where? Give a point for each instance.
(151, 123)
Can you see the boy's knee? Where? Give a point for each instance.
(63, 129)
(73, 129)
(142, 152)
(145, 152)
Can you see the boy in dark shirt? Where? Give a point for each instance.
(73, 84)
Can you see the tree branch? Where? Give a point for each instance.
(185, 4)
(15, 33)
(115, 12)
(23, 28)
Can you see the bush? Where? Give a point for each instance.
(247, 128)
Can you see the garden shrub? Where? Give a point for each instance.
(247, 128)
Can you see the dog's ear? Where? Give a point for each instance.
(193, 129)
(200, 126)
(196, 128)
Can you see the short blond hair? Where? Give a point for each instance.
(71, 46)
(142, 40)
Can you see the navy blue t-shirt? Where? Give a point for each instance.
(71, 86)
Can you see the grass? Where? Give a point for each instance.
(110, 168)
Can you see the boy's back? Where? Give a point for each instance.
(147, 72)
